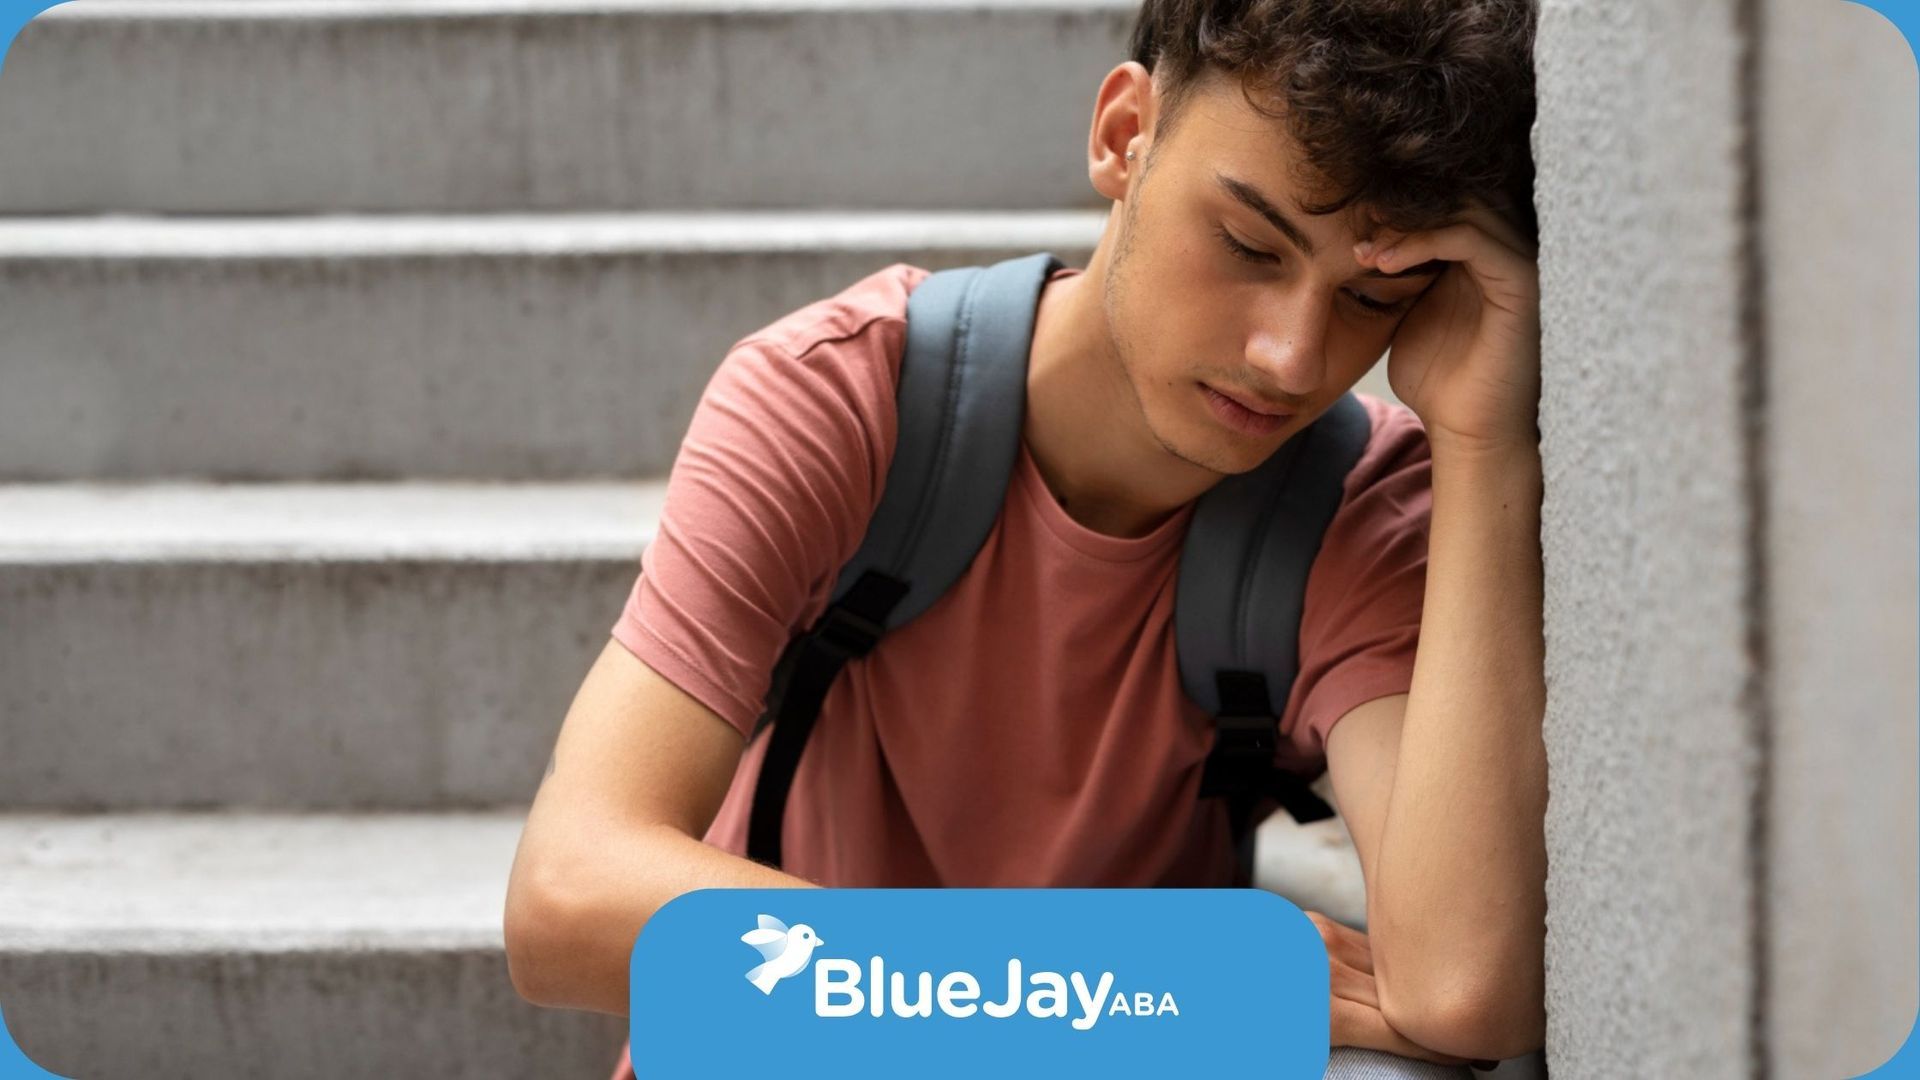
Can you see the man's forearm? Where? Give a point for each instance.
(585, 942)
(1458, 910)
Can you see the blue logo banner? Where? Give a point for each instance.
(963, 982)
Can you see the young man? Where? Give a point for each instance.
(1299, 185)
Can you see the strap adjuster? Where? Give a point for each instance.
(1245, 734)
(845, 634)
(1242, 755)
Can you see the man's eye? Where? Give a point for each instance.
(1241, 251)
(1366, 304)
(1376, 307)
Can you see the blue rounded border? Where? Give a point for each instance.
(1903, 14)
(15, 14)
(14, 1064)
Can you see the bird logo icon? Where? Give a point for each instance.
(783, 951)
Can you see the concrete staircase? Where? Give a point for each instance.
(344, 349)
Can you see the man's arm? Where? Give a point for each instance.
(1444, 788)
(638, 772)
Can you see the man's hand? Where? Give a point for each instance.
(1356, 1007)
(1466, 359)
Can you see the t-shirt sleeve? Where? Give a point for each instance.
(769, 495)
(1360, 620)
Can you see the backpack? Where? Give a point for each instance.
(1243, 565)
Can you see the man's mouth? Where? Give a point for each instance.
(1242, 416)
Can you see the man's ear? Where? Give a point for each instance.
(1122, 121)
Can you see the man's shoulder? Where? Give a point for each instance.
(1396, 455)
(874, 305)
(1397, 430)
(1391, 419)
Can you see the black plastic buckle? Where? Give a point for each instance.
(1242, 755)
(845, 634)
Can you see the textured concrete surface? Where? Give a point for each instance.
(159, 882)
(1838, 191)
(198, 945)
(406, 521)
(359, 646)
(511, 347)
(1650, 731)
(244, 106)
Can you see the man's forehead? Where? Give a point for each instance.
(1252, 150)
(1256, 150)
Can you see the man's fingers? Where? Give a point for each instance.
(1354, 985)
(1481, 254)
(1344, 942)
(1506, 277)
(1354, 954)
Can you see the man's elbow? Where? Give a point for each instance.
(1475, 1025)
(533, 913)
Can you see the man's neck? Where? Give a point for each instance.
(1083, 424)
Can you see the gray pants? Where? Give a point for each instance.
(1354, 1063)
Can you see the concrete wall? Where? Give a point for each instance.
(1728, 225)
(1838, 223)
(1646, 532)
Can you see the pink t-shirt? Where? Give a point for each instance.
(1028, 729)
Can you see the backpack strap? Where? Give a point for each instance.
(962, 400)
(1240, 594)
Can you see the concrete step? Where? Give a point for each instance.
(301, 645)
(444, 105)
(274, 946)
(310, 945)
(345, 347)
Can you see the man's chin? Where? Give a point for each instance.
(1221, 452)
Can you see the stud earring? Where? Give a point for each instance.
(1129, 155)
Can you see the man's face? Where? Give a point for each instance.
(1208, 296)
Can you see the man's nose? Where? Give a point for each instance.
(1288, 346)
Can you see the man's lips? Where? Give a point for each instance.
(1254, 406)
(1238, 417)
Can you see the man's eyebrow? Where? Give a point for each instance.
(1250, 196)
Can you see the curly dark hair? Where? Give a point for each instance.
(1404, 108)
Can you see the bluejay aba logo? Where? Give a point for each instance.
(838, 991)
